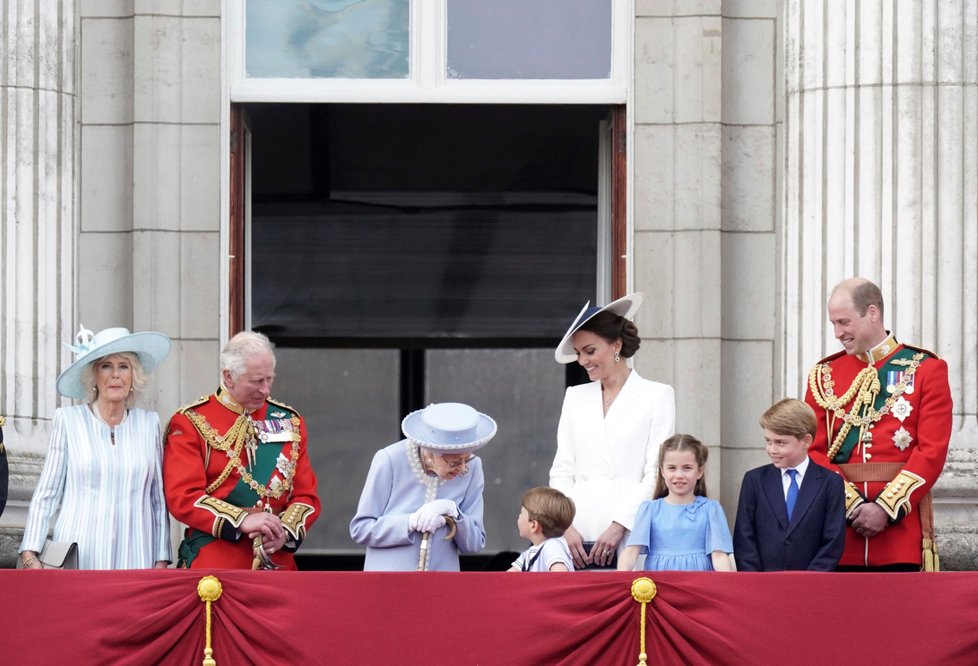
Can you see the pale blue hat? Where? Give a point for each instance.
(626, 307)
(449, 427)
(149, 347)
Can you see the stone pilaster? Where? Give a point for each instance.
(37, 221)
(881, 142)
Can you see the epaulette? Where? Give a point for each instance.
(832, 357)
(282, 405)
(196, 403)
(922, 350)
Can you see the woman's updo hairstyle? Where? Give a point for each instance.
(610, 327)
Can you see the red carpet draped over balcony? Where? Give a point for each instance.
(151, 617)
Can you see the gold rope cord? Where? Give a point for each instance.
(209, 590)
(643, 591)
(865, 387)
(232, 442)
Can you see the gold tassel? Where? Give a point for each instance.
(643, 591)
(930, 560)
(209, 590)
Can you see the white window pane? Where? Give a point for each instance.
(358, 39)
(517, 39)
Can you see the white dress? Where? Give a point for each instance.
(607, 463)
(110, 495)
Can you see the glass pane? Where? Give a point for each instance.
(423, 222)
(541, 39)
(522, 389)
(349, 400)
(353, 39)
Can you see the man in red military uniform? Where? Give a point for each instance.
(236, 468)
(884, 412)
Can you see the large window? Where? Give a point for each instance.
(402, 255)
(569, 51)
(423, 193)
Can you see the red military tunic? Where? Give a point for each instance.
(219, 464)
(903, 421)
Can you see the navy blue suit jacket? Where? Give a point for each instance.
(764, 540)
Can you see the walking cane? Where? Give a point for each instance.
(426, 543)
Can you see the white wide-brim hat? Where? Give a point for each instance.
(626, 307)
(148, 346)
(449, 427)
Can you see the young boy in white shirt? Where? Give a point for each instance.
(544, 516)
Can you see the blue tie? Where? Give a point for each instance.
(792, 492)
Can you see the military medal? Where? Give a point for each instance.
(893, 378)
(901, 408)
(902, 439)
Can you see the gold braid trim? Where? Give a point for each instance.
(865, 387)
(853, 498)
(223, 511)
(896, 494)
(294, 519)
(233, 441)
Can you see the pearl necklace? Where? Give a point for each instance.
(429, 481)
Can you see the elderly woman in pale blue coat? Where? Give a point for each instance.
(422, 501)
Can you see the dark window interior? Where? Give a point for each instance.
(422, 225)
(407, 254)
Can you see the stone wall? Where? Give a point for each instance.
(742, 187)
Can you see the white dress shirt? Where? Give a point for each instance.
(786, 478)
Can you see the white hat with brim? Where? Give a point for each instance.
(449, 427)
(626, 307)
(149, 347)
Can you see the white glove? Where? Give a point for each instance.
(431, 516)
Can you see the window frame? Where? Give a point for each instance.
(427, 81)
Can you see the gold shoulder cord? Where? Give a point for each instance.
(232, 442)
(865, 387)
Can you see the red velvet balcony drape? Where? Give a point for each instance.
(151, 617)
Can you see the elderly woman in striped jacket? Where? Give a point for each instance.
(103, 473)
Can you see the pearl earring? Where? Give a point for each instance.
(617, 358)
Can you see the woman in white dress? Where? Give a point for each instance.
(103, 473)
(609, 431)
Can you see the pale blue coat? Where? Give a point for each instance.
(395, 488)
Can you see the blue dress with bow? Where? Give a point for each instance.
(680, 537)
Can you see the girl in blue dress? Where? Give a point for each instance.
(680, 529)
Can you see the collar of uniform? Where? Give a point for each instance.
(880, 351)
(224, 397)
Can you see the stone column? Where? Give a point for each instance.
(881, 144)
(676, 245)
(37, 217)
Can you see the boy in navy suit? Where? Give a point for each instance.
(791, 514)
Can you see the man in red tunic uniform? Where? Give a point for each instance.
(884, 411)
(236, 468)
